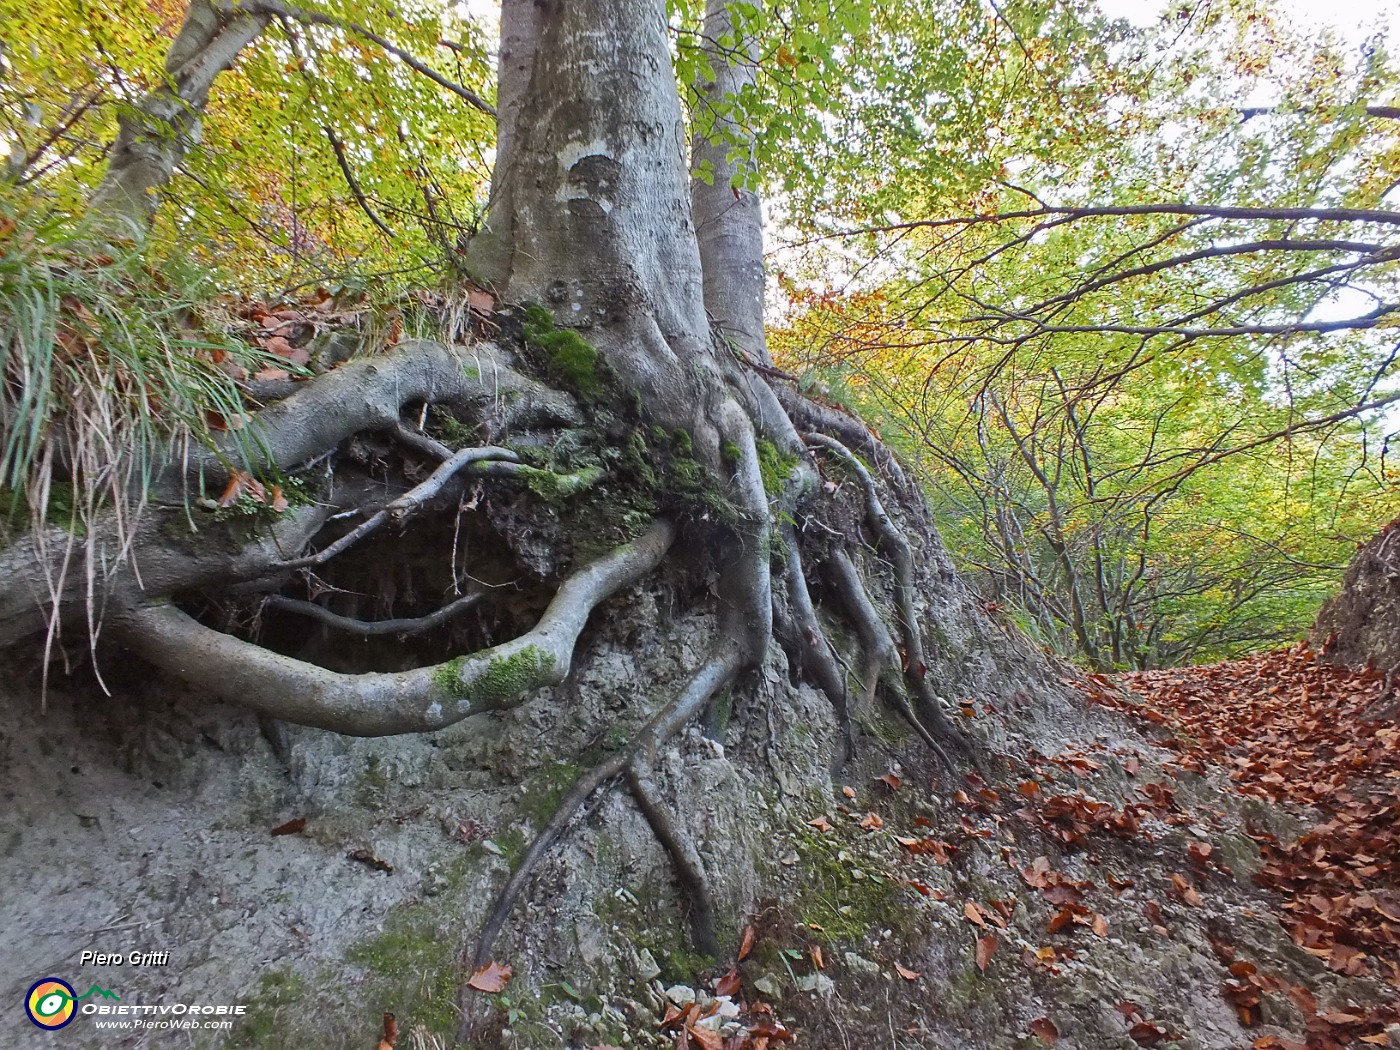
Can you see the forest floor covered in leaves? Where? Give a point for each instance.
(1091, 880)
(1319, 739)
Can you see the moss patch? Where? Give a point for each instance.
(846, 901)
(16, 515)
(412, 971)
(281, 997)
(568, 357)
(547, 788)
(774, 466)
(503, 681)
(553, 487)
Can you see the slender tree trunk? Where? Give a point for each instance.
(728, 217)
(156, 134)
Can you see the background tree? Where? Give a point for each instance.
(1099, 356)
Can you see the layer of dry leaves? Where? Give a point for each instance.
(1289, 729)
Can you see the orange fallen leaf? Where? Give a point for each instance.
(872, 822)
(821, 824)
(233, 489)
(890, 781)
(492, 978)
(985, 947)
(1044, 1029)
(1060, 920)
(1186, 891)
(746, 944)
(974, 915)
(391, 1033)
(908, 975)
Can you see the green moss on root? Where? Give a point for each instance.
(568, 356)
(774, 466)
(552, 487)
(504, 679)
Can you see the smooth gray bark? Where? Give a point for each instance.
(158, 131)
(591, 210)
(728, 218)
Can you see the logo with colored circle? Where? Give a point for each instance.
(51, 1003)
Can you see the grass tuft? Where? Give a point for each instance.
(112, 358)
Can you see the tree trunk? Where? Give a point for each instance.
(590, 201)
(1361, 625)
(727, 212)
(158, 131)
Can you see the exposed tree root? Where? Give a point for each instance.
(925, 703)
(806, 640)
(810, 416)
(725, 661)
(417, 701)
(548, 484)
(411, 625)
(882, 658)
(881, 655)
(31, 568)
(406, 505)
(370, 393)
(690, 872)
(416, 439)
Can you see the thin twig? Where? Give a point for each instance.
(409, 625)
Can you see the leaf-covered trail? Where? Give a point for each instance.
(1290, 729)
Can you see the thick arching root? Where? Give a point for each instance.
(366, 402)
(417, 701)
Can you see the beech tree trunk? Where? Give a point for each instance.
(156, 134)
(727, 211)
(590, 204)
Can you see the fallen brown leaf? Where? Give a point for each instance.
(491, 978)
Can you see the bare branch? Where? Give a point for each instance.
(1065, 213)
(269, 8)
(412, 625)
(405, 506)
